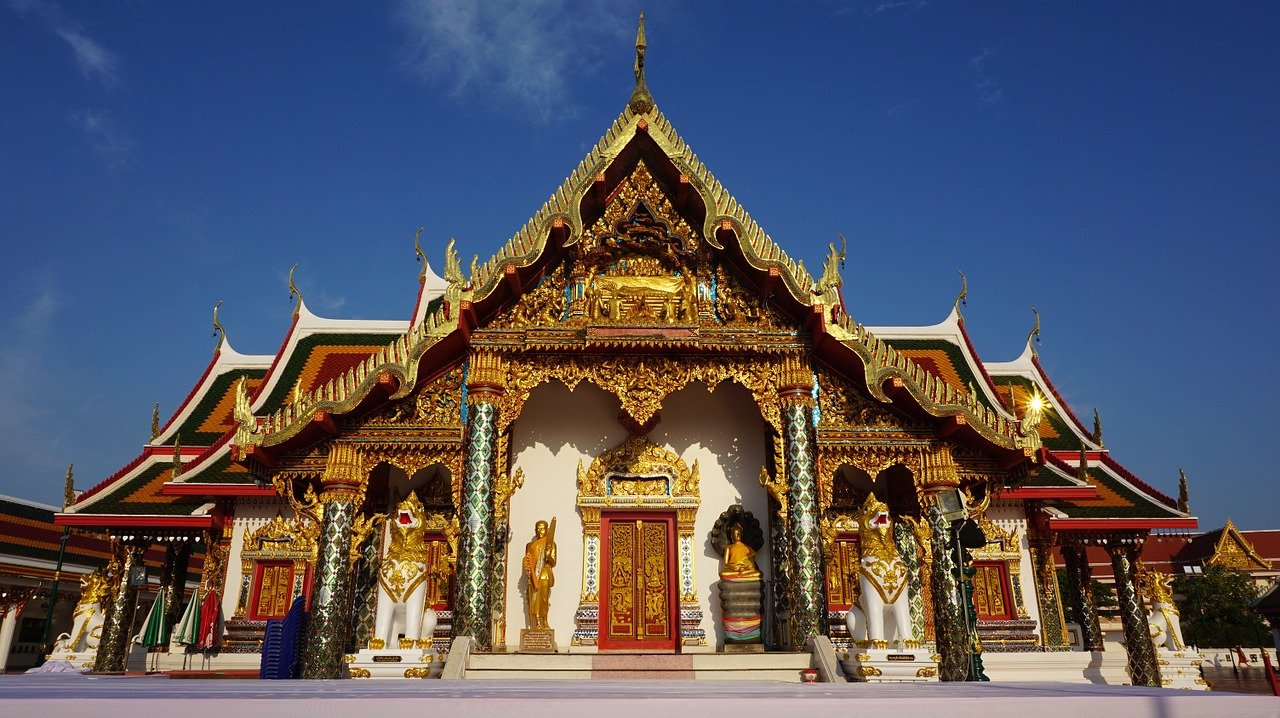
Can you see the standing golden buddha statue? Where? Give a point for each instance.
(539, 560)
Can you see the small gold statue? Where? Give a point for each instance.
(739, 559)
(539, 558)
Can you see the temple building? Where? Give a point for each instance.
(640, 426)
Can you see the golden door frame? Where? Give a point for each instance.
(639, 476)
(283, 541)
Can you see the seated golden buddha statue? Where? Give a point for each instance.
(739, 559)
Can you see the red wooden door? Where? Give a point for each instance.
(638, 606)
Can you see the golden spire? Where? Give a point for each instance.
(1082, 471)
(295, 292)
(1034, 337)
(69, 489)
(963, 296)
(177, 457)
(218, 330)
(422, 256)
(641, 101)
(1184, 497)
(155, 421)
(1097, 427)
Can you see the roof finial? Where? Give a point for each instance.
(295, 292)
(422, 256)
(69, 489)
(155, 421)
(641, 101)
(1082, 471)
(1184, 496)
(1097, 427)
(177, 457)
(1034, 337)
(963, 297)
(218, 330)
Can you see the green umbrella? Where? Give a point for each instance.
(156, 630)
(189, 627)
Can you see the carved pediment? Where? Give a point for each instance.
(282, 537)
(637, 467)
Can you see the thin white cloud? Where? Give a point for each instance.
(109, 141)
(25, 377)
(989, 91)
(898, 6)
(96, 62)
(510, 51)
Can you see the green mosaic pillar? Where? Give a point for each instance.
(113, 648)
(1080, 594)
(808, 610)
(1052, 627)
(177, 563)
(342, 493)
(948, 621)
(1143, 670)
(471, 614)
(905, 540)
(366, 591)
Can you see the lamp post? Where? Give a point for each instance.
(46, 647)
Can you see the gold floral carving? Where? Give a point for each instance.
(283, 538)
(634, 462)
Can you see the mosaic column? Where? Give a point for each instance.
(484, 389)
(342, 492)
(808, 609)
(948, 621)
(366, 592)
(113, 648)
(1080, 594)
(177, 561)
(1143, 670)
(905, 540)
(1052, 627)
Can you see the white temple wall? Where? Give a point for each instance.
(557, 429)
(251, 514)
(722, 431)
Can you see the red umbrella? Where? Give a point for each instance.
(210, 622)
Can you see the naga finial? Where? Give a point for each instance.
(422, 256)
(155, 421)
(641, 100)
(295, 292)
(1082, 471)
(69, 489)
(453, 265)
(1034, 337)
(831, 279)
(1097, 427)
(218, 330)
(962, 299)
(1184, 496)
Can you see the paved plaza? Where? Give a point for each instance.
(156, 697)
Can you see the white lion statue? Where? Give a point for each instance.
(402, 581)
(882, 582)
(1166, 628)
(88, 617)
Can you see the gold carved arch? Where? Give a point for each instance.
(411, 458)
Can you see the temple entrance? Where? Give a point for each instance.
(638, 603)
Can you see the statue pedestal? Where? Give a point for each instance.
(82, 661)
(890, 665)
(397, 662)
(740, 607)
(1181, 669)
(537, 640)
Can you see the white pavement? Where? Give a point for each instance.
(158, 697)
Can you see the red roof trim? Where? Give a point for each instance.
(266, 378)
(973, 354)
(112, 520)
(112, 478)
(1061, 402)
(1129, 476)
(192, 394)
(1120, 524)
(177, 489)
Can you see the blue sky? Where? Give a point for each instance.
(1116, 165)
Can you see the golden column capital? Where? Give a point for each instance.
(487, 376)
(343, 478)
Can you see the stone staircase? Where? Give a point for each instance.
(638, 666)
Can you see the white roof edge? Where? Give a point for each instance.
(208, 457)
(146, 463)
(1025, 366)
(28, 502)
(1137, 490)
(1021, 365)
(228, 360)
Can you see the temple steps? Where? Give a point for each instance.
(638, 666)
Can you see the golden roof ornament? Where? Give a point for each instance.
(1184, 496)
(218, 330)
(641, 101)
(1097, 427)
(295, 292)
(1034, 337)
(69, 489)
(176, 469)
(1082, 471)
(155, 421)
(963, 297)
(422, 256)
